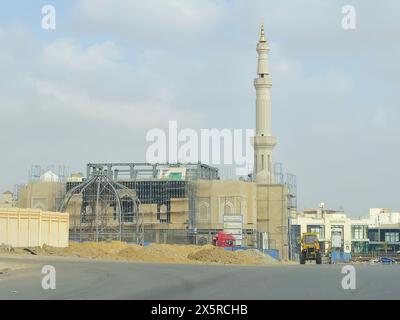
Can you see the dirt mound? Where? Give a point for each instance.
(155, 253)
(6, 249)
(215, 255)
(219, 255)
(258, 256)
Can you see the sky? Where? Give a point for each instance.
(91, 89)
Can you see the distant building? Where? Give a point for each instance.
(380, 231)
(44, 194)
(76, 177)
(7, 200)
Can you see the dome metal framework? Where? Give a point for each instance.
(106, 210)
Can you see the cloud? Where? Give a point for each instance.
(135, 116)
(151, 19)
(67, 54)
(114, 69)
(64, 97)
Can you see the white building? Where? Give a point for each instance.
(381, 217)
(49, 176)
(358, 235)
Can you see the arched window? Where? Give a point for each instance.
(203, 211)
(228, 208)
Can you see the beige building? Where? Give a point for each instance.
(219, 198)
(261, 211)
(44, 194)
(7, 200)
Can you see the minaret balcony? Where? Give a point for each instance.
(263, 141)
(264, 82)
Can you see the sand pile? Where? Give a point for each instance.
(258, 256)
(213, 254)
(157, 253)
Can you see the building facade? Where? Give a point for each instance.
(45, 193)
(380, 231)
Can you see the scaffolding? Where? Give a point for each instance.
(289, 181)
(46, 192)
(103, 210)
(153, 187)
(161, 193)
(36, 172)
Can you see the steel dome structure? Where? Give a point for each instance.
(107, 210)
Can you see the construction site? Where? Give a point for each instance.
(143, 203)
(177, 203)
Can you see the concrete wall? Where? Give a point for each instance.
(272, 216)
(33, 228)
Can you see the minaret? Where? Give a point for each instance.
(263, 141)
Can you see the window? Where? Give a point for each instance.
(391, 237)
(373, 235)
(163, 214)
(320, 229)
(203, 212)
(359, 232)
(262, 162)
(310, 239)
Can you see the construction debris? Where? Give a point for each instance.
(154, 253)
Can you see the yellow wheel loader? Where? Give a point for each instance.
(310, 248)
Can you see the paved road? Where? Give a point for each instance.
(89, 279)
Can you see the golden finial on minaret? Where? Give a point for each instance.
(262, 34)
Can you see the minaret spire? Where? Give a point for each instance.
(263, 141)
(262, 33)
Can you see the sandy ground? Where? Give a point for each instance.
(155, 253)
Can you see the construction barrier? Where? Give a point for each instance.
(33, 228)
(337, 256)
(272, 253)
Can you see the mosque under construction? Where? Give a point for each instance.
(182, 202)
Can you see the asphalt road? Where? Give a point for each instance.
(91, 279)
